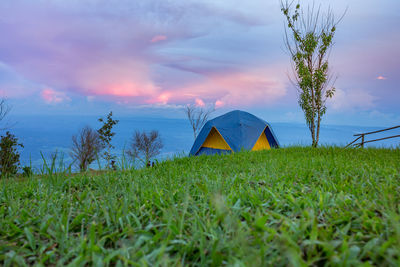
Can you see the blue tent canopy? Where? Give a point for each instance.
(239, 129)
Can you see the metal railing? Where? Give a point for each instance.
(362, 137)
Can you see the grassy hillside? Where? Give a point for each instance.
(288, 206)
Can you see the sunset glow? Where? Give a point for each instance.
(158, 38)
(227, 53)
(52, 97)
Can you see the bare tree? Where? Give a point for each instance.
(197, 116)
(309, 39)
(85, 146)
(4, 110)
(145, 146)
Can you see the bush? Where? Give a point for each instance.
(27, 171)
(9, 156)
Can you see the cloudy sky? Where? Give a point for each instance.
(151, 57)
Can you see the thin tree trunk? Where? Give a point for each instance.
(310, 60)
(318, 128)
(313, 119)
(147, 157)
(108, 158)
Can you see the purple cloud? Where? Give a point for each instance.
(173, 52)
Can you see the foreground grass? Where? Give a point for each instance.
(292, 206)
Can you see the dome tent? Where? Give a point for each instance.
(232, 132)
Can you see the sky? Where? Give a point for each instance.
(153, 57)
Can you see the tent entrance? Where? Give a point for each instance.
(215, 140)
(262, 142)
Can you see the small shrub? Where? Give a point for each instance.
(106, 134)
(27, 171)
(9, 155)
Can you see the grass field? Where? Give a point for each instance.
(292, 206)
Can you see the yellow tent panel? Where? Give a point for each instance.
(262, 143)
(215, 140)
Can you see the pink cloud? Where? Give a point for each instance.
(381, 78)
(219, 104)
(163, 98)
(158, 38)
(199, 102)
(134, 84)
(101, 57)
(117, 79)
(52, 97)
(233, 89)
(125, 89)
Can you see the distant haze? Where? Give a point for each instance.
(48, 134)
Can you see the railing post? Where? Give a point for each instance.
(362, 136)
(362, 141)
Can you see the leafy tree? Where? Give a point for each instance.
(145, 146)
(197, 116)
(85, 147)
(309, 38)
(106, 134)
(9, 155)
